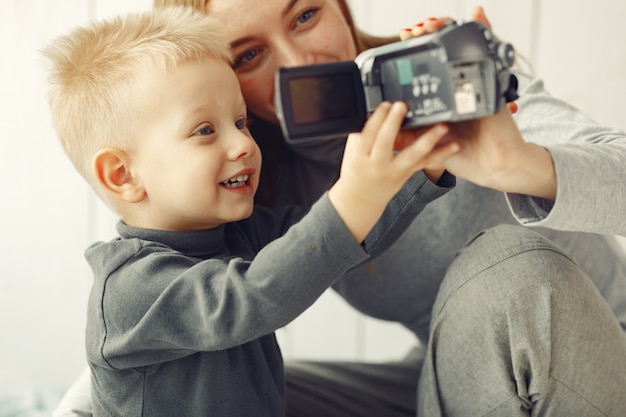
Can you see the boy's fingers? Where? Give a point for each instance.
(425, 145)
(442, 152)
(407, 137)
(389, 129)
(374, 123)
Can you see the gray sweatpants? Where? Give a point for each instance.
(517, 330)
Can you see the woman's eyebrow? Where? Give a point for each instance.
(286, 10)
(240, 41)
(289, 7)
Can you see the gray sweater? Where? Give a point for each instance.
(590, 207)
(181, 323)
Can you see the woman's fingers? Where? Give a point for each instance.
(478, 14)
(433, 24)
(429, 25)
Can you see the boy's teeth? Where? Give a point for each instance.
(237, 180)
(240, 178)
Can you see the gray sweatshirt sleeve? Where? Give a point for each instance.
(151, 304)
(403, 208)
(150, 298)
(590, 163)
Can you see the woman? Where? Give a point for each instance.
(512, 323)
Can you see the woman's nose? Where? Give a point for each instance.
(293, 55)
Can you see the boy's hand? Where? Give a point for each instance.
(372, 172)
(433, 170)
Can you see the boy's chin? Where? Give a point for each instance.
(247, 213)
(241, 212)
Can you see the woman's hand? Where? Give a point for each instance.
(433, 24)
(429, 25)
(492, 151)
(493, 154)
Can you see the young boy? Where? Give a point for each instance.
(185, 301)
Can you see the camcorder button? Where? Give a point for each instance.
(506, 53)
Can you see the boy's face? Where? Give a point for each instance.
(195, 156)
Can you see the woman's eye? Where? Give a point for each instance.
(204, 131)
(306, 16)
(246, 57)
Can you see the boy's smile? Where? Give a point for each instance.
(240, 183)
(196, 159)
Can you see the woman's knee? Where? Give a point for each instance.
(512, 305)
(508, 279)
(505, 259)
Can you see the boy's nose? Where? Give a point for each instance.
(241, 146)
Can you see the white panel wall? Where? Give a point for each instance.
(47, 212)
(48, 216)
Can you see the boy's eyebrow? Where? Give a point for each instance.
(286, 10)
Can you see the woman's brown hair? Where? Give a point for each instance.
(362, 39)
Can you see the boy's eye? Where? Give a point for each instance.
(242, 123)
(204, 131)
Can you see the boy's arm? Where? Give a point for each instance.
(151, 304)
(404, 208)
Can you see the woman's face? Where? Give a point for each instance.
(268, 34)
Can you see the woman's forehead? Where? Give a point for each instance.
(244, 17)
(251, 18)
(248, 9)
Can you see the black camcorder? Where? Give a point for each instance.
(460, 72)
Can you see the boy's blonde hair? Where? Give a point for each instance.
(94, 69)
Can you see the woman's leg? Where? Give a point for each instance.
(353, 389)
(517, 330)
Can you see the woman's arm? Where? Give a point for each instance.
(558, 168)
(589, 165)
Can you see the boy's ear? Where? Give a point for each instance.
(112, 170)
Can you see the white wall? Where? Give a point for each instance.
(46, 211)
(48, 215)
